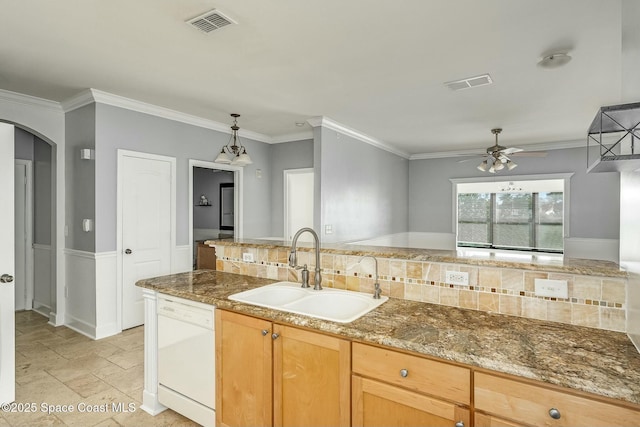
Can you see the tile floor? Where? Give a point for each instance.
(58, 366)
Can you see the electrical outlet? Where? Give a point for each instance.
(457, 278)
(551, 288)
(247, 257)
(328, 229)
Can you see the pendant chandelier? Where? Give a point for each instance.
(234, 153)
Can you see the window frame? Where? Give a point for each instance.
(566, 177)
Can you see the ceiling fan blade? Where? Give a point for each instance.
(511, 150)
(474, 153)
(530, 154)
(471, 159)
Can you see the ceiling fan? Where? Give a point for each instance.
(499, 157)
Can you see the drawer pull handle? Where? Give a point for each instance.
(404, 373)
(554, 413)
(459, 424)
(265, 332)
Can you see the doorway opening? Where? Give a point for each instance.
(34, 227)
(215, 200)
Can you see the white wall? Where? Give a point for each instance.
(42, 279)
(630, 248)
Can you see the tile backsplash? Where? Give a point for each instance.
(598, 302)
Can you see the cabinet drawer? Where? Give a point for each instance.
(413, 372)
(531, 405)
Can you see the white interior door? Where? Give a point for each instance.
(23, 282)
(7, 315)
(298, 202)
(146, 229)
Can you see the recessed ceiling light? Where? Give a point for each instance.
(554, 60)
(299, 124)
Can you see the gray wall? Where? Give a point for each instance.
(287, 155)
(118, 128)
(363, 189)
(80, 178)
(207, 182)
(594, 204)
(23, 144)
(42, 192)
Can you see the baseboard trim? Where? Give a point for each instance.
(81, 327)
(150, 403)
(106, 331)
(40, 308)
(56, 319)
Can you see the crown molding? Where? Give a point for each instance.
(299, 136)
(328, 123)
(32, 101)
(89, 96)
(546, 146)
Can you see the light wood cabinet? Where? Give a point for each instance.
(537, 405)
(310, 372)
(392, 388)
(243, 370)
(272, 374)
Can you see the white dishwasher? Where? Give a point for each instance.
(186, 358)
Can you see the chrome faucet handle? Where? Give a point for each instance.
(376, 291)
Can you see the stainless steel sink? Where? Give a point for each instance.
(335, 305)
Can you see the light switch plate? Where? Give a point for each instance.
(247, 257)
(551, 288)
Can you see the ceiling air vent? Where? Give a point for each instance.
(210, 21)
(476, 81)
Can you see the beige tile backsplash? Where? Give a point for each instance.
(598, 302)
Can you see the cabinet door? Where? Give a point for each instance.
(379, 404)
(484, 420)
(243, 364)
(311, 374)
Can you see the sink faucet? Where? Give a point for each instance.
(376, 287)
(293, 259)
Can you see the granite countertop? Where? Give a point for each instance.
(602, 362)
(552, 263)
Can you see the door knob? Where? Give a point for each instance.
(128, 251)
(6, 278)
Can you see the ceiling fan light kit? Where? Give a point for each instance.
(497, 157)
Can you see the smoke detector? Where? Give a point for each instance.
(554, 60)
(210, 21)
(469, 82)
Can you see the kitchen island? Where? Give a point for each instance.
(602, 363)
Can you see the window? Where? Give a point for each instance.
(515, 215)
